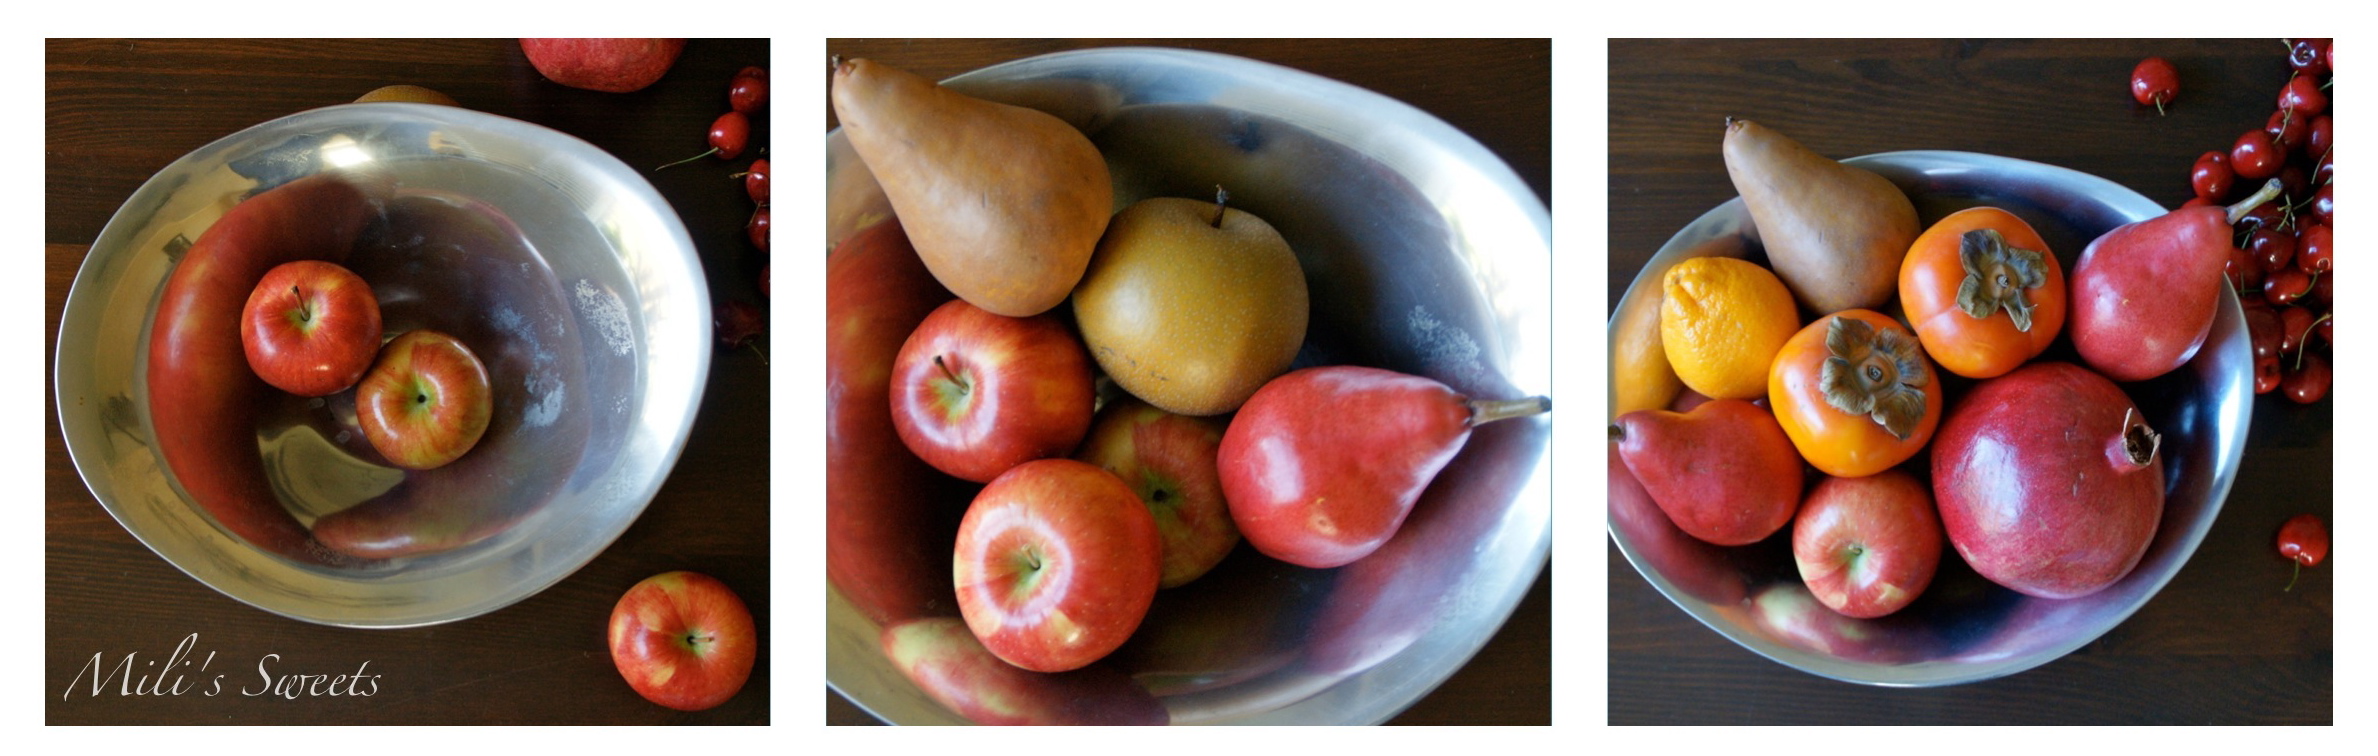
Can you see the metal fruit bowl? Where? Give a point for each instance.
(1426, 255)
(1964, 628)
(592, 314)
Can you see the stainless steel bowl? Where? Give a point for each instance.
(566, 259)
(1425, 254)
(1964, 628)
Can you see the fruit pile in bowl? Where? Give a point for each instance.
(229, 412)
(1136, 450)
(1961, 420)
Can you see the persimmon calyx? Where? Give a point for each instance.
(1999, 276)
(1874, 372)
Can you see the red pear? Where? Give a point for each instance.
(2144, 294)
(1321, 465)
(1725, 472)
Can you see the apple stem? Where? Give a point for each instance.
(1483, 411)
(305, 310)
(1220, 198)
(945, 372)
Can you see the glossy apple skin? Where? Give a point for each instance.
(1309, 481)
(890, 518)
(683, 640)
(1867, 546)
(1056, 564)
(946, 661)
(975, 393)
(426, 402)
(1169, 460)
(2034, 487)
(202, 396)
(310, 328)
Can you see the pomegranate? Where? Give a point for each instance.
(2048, 480)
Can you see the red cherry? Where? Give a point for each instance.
(2242, 270)
(2308, 56)
(728, 135)
(737, 321)
(2255, 157)
(2322, 285)
(2316, 136)
(2325, 173)
(2284, 287)
(2303, 539)
(2263, 329)
(2308, 380)
(2266, 374)
(755, 181)
(2304, 96)
(2287, 129)
(2211, 176)
(757, 228)
(2271, 248)
(2295, 324)
(2315, 245)
(747, 92)
(2153, 82)
(2327, 322)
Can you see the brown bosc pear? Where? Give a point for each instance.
(1004, 204)
(1834, 233)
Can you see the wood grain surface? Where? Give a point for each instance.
(1497, 91)
(2222, 643)
(116, 112)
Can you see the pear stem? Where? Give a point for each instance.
(1220, 198)
(2269, 189)
(1483, 411)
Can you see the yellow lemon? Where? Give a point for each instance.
(1721, 322)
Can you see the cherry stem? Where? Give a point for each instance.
(2269, 189)
(2299, 572)
(1220, 199)
(945, 372)
(2159, 105)
(1483, 411)
(2303, 340)
(708, 153)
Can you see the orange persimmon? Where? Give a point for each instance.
(1855, 393)
(1983, 292)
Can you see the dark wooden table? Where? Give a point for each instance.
(119, 110)
(1499, 92)
(2221, 643)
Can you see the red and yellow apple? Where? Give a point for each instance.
(683, 640)
(945, 660)
(310, 328)
(425, 402)
(1867, 546)
(602, 64)
(1169, 461)
(975, 393)
(1056, 564)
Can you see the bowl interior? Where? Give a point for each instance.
(561, 267)
(1423, 254)
(1964, 627)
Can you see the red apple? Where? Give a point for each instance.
(946, 661)
(603, 65)
(975, 393)
(683, 640)
(1056, 564)
(310, 328)
(426, 402)
(1867, 546)
(890, 518)
(1169, 460)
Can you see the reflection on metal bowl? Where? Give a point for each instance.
(1424, 254)
(1964, 628)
